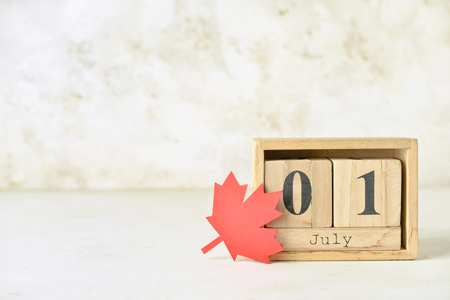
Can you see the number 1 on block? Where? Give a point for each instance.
(366, 192)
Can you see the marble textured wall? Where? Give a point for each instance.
(168, 94)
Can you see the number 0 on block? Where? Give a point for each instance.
(307, 195)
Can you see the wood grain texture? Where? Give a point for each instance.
(333, 143)
(322, 192)
(342, 239)
(391, 190)
(402, 254)
(349, 192)
(258, 164)
(410, 198)
(319, 213)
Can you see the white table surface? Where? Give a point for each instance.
(146, 245)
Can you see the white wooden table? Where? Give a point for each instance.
(146, 245)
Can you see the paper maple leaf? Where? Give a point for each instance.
(239, 223)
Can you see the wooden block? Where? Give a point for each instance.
(307, 194)
(366, 192)
(342, 239)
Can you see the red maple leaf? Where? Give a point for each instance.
(239, 224)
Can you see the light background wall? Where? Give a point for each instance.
(168, 94)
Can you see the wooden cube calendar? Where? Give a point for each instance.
(343, 199)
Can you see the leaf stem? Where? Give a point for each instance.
(211, 245)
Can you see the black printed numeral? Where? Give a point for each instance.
(288, 197)
(369, 180)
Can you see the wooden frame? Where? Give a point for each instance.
(404, 149)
